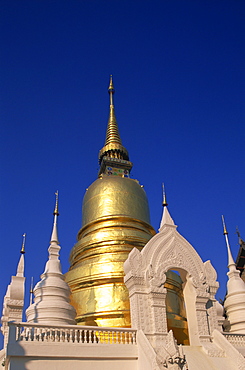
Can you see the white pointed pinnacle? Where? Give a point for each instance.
(54, 247)
(21, 264)
(54, 235)
(231, 263)
(166, 218)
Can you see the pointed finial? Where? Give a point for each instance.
(111, 90)
(31, 291)
(166, 218)
(54, 235)
(56, 204)
(224, 226)
(20, 267)
(22, 251)
(231, 263)
(31, 288)
(111, 87)
(164, 200)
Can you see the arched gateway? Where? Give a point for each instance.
(146, 275)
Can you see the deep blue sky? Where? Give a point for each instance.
(178, 70)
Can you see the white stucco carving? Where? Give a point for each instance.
(145, 275)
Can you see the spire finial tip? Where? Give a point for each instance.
(164, 200)
(22, 251)
(56, 203)
(111, 89)
(224, 226)
(31, 287)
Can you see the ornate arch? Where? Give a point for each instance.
(145, 277)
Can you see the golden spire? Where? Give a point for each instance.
(113, 145)
(111, 90)
(56, 204)
(112, 133)
(22, 251)
(164, 200)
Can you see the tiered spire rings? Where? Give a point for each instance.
(113, 145)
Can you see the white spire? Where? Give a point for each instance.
(20, 267)
(21, 264)
(235, 299)
(166, 218)
(231, 263)
(54, 235)
(51, 303)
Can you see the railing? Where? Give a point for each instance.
(73, 334)
(235, 339)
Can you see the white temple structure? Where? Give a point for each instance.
(214, 336)
(51, 339)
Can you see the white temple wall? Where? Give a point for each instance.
(63, 356)
(64, 364)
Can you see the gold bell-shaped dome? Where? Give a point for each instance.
(115, 196)
(115, 219)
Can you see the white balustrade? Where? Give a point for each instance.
(235, 339)
(73, 334)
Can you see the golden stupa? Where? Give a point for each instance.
(115, 219)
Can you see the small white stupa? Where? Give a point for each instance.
(235, 299)
(52, 294)
(14, 298)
